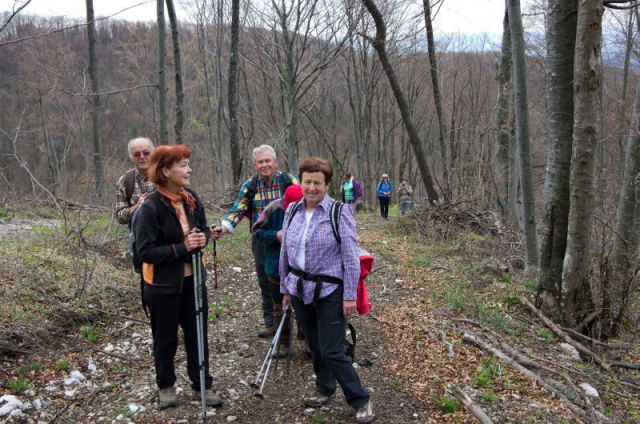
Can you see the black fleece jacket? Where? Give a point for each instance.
(160, 242)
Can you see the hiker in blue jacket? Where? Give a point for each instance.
(384, 190)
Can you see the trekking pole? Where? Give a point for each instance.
(196, 258)
(289, 353)
(215, 287)
(268, 359)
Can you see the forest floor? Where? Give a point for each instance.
(75, 345)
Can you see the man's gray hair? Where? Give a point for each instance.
(135, 140)
(263, 148)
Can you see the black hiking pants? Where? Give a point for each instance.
(263, 282)
(324, 327)
(384, 206)
(168, 310)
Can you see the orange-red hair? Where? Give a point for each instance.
(164, 157)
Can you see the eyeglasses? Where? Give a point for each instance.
(144, 153)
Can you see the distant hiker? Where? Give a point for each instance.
(384, 190)
(268, 232)
(319, 276)
(351, 190)
(405, 196)
(255, 194)
(172, 224)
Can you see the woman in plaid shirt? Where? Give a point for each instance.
(319, 277)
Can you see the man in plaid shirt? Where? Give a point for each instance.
(267, 184)
(140, 150)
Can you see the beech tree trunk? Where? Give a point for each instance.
(504, 128)
(561, 39)
(437, 97)
(94, 99)
(576, 289)
(234, 125)
(379, 45)
(522, 131)
(173, 22)
(163, 137)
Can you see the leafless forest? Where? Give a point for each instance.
(538, 126)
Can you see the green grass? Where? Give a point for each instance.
(545, 334)
(318, 418)
(448, 404)
(396, 383)
(90, 333)
(62, 365)
(36, 366)
(531, 286)
(18, 386)
(3, 213)
(506, 278)
(124, 411)
(121, 369)
(456, 300)
(420, 261)
(490, 396)
(484, 376)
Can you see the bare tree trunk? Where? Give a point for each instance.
(587, 68)
(503, 121)
(94, 99)
(625, 238)
(522, 131)
(162, 109)
(234, 125)
(561, 39)
(625, 84)
(173, 22)
(379, 45)
(437, 98)
(217, 63)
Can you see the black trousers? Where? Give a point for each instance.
(168, 310)
(384, 206)
(263, 282)
(324, 327)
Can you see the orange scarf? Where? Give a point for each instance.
(177, 198)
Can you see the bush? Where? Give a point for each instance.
(448, 404)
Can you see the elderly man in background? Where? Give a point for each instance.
(267, 184)
(132, 189)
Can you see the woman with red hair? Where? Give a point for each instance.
(170, 226)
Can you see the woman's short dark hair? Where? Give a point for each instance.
(316, 164)
(164, 157)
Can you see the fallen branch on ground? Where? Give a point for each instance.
(471, 406)
(558, 332)
(579, 411)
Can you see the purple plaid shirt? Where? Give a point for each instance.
(323, 254)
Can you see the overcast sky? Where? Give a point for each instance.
(473, 16)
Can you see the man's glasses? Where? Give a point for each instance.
(144, 153)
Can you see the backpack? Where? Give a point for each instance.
(251, 193)
(335, 212)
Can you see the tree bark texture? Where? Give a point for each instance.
(576, 290)
(162, 109)
(504, 124)
(173, 22)
(437, 97)
(522, 131)
(561, 39)
(234, 124)
(94, 100)
(379, 45)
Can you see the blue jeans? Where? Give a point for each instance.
(263, 282)
(405, 207)
(324, 327)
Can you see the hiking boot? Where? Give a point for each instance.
(211, 399)
(167, 398)
(300, 332)
(267, 332)
(365, 414)
(317, 400)
(283, 352)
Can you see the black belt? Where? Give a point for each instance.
(318, 279)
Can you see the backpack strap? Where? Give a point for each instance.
(129, 183)
(336, 211)
(294, 209)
